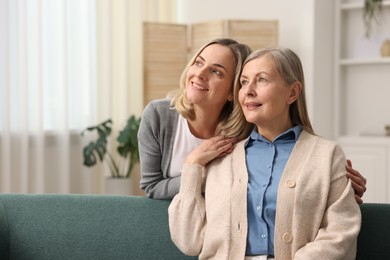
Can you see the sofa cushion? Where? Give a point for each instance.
(84, 227)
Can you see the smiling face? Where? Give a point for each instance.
(209, 80)
(265, 97)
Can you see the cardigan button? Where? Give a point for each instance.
(290, 183)
(287, 237)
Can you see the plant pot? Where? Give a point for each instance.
(385, 50)
(118, 186)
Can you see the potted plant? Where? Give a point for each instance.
(371, 11)
(127, 147)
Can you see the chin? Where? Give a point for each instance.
(250, 120)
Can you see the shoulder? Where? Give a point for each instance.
(319, 145)
(159, 109)
(165, 102)
(236, 158)
(158, 105)
(159, 117)
(315, 139)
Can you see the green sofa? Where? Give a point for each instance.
(59, 226)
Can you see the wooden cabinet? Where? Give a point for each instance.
(164, 57)
(256, 34)
(361, 94)
(168, 47)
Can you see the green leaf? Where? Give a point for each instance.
(127, 139)
(127, 145)
(97, 149)
(371, 10)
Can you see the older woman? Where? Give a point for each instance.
(282, 192)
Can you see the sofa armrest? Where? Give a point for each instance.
(4, 233)
(374, 236)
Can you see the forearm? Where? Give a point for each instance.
(158, 187)
(154, 180)
(187, 216)
(337, 236)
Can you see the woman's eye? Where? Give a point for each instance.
(243, 82)
(219, 73)
(197, 63)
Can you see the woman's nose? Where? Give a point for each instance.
(201, 73)
(249, 89)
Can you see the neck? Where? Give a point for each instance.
(204, 124)
(271, 131)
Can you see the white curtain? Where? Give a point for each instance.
(120, 57)
(66, 65)
(47, 94)
(119, 44)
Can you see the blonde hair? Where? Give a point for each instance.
(289, 67)
(231, 123)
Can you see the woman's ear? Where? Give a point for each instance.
(295, 91)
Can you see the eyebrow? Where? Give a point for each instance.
(214, 64)
(256, 75)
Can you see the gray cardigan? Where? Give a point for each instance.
(155, 140)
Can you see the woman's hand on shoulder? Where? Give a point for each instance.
(210, 149)
(358, 182)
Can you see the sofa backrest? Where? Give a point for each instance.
(60, 226)
(54, 226)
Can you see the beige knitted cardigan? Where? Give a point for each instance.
(317, 216)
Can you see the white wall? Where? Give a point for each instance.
(305, 26)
